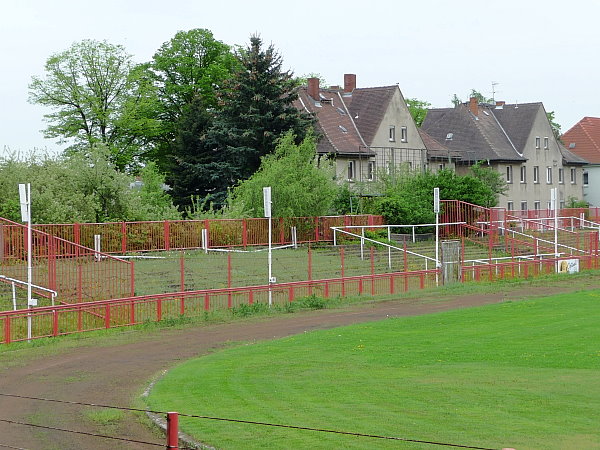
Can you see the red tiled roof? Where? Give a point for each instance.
(585, 134)
(340, 135)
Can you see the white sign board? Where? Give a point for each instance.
(568, 266)
(436, 200)
(24, 201)
(267, 201)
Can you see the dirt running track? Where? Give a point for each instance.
(116, 372)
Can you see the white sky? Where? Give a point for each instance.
(537, 50)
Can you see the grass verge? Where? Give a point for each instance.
(516, 374)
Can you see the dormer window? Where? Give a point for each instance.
(392, 133)
(403, 134)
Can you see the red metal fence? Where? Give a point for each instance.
(77, 273)
(123, 237)
(80, 317)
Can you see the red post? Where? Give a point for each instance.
(107, 316)
(172, 430)
(244, 233)
(281, 231)
(7, 330)
(372, 270)
(250, 297)
(391, 284)
(79, 287)
(167, 234)
(206, 302)
(132, 277)
(309, 270)
(342, 262)
(291, 294)
(54, 323)
(123, 237)
(77, 233)
(229, 300)
(316, 229)
(131, 312)
(182, 271)
(158, 309)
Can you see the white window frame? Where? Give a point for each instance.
(510, 206)
(524, 205)
(586, 178)
(537, 142)
(536, 174)
(351, 170)
(509, 178)
(561, 176)
(549, 175)
(403, 134)
(523, 174)
(392, 134)
(537, 205)
(546, 143)
(573, 175)
(371, 170)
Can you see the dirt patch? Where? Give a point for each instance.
(116, 373)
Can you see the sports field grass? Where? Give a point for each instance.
(519, 374)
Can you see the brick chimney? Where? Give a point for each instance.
(473, 106)
(313, 88)
(349, 82)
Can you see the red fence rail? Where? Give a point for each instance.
(81, 317)
(76, 272)
(122, 237)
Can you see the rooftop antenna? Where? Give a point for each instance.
(494, 84)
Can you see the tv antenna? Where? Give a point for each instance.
(494, 84)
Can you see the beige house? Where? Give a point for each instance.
(368, 130)
(517, 140)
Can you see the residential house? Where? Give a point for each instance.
(515, 139)
(368, 130)
(583, 139)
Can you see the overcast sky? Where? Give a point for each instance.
(536, 50)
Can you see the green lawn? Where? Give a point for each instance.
(519, 374)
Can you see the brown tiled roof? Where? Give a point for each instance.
(585, 134)
(477, 138)
(368, 107)
(435, 149)
(339, 134)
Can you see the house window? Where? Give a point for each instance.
(549, 208)
(561, 178)
(549, 175)
(562, 204)
(351, 170)
(523, 174)
(536, 174)
(523, 206)
(536, 205)
(585, 178)
(392, 133)
(573, 175)
(371, 171)
(509, 174)
(442, 166)
(510, 206)
(537, 142)
(403, 134)
(546, 143)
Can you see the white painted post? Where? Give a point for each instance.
(25, 200)
(436, 210)
(554, 203)
(389, 236)
(267, 208)
(97, 248)
(294, 238)
(362, 243)
(205, 240)
(14, 295)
